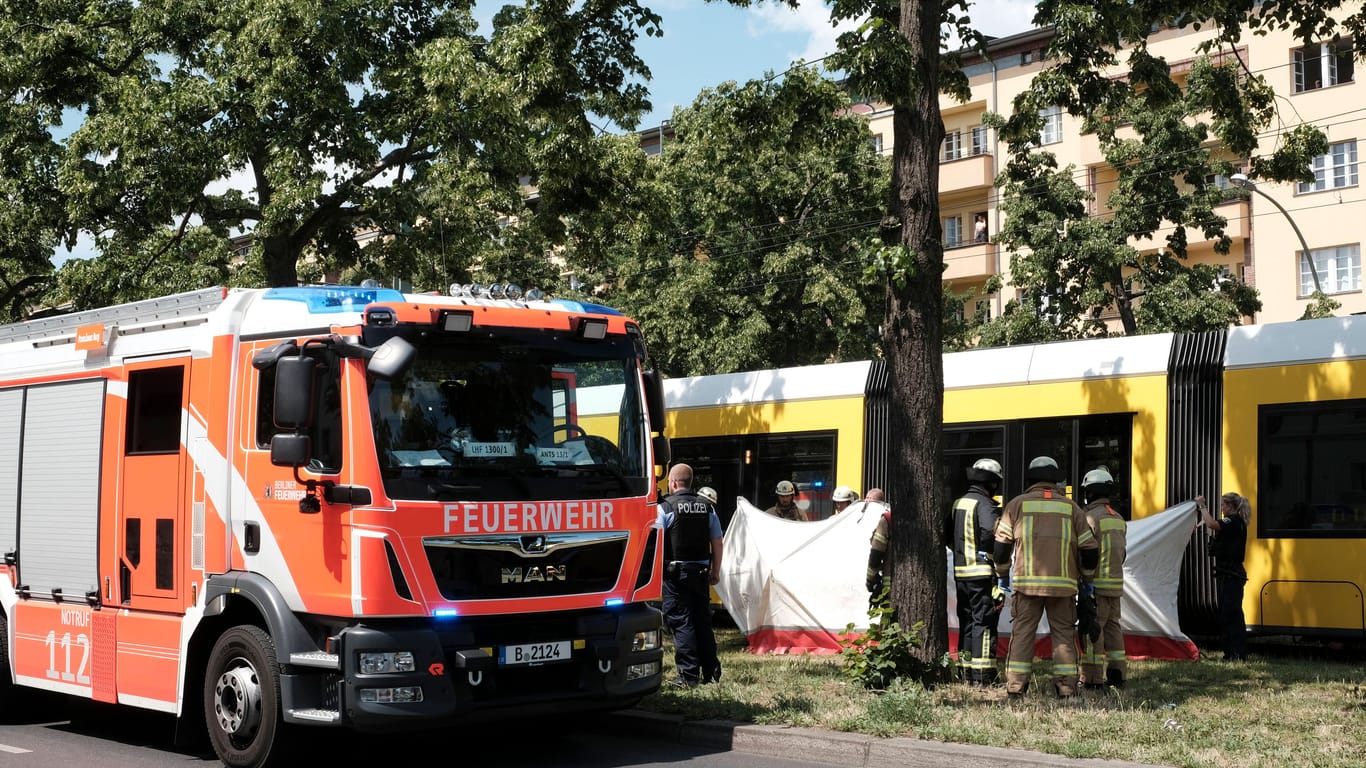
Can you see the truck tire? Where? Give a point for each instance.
(242, 699)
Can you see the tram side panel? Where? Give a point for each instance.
(1295, 445)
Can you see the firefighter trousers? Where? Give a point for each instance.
(1108, 651)
(1026, 610)
(976, 631)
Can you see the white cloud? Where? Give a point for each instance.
(810, 17)
(997, 18)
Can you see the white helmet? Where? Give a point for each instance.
(985, 471)
(708, 493)
(844, 493)
(1097, 476)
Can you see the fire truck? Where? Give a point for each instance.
(265, 510)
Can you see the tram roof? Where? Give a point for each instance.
(1299, 341)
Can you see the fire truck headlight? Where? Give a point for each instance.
(637, 671)
(408, 694)
(645, 641)
(383, 662)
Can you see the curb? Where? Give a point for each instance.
(834, 747)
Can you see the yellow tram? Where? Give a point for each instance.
(1276, 412)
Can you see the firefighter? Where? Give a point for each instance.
(972, 528)
(843, 496)
(786, 506)
(1045, 545)
(877, 555)
(708, 493)
(692, 565)
(1102, 596)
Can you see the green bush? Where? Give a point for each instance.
(887, 651)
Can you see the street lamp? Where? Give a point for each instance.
(1242, 181)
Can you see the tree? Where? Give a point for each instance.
(740, 246)
(1072, 266)
(896, 56)
(390, 117)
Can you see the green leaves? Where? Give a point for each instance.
(305, 124)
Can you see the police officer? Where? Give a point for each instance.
(972, 528)
(786, 507)
(1105, 654)
(1052, 547)
(692, 565)
(843, 496)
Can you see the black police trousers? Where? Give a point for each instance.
(687, 613)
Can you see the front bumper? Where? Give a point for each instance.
(460, 677)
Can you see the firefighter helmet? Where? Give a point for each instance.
(985, 471)
(1043, 469)
(1097, 476)
(844, 493)
(785, 488)
(708, 493)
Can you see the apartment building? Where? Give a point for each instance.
(1314, 84)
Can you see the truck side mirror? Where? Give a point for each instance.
(290, 450)
(654, 399)
(662, 450)
(391, 358)
(296, 383)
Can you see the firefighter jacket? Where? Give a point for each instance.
(688, 537)
(973, 527)
(1109, 528)
(1046, 531)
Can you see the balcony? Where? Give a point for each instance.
(976, 172)
(1234, 209)
(969, 261)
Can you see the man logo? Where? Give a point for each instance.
(533, 545)
(535, 574)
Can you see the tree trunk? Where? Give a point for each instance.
(281, 262)
(913, 340)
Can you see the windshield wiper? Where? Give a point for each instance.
(601, 470)
(451, 491)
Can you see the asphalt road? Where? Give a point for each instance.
(56, 732)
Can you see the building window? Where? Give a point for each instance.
(1334, 170)
(953, 231)
(981, 310)
(1339, 270)
(1052, 125)
(978, 140)
(1026, 57)
(877, 143)
(953, 145)
(1323, 64)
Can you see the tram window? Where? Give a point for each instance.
(1312, 470)
(1084, 443)
(963, 447)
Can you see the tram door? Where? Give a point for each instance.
(1079, 444)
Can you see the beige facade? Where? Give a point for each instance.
(1313, 84)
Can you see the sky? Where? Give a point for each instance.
(705, 44)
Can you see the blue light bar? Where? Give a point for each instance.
(323, 300)
(583, 306)
(445, 613)
(818, 484)
(613, 602)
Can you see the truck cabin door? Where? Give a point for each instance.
(152, 488)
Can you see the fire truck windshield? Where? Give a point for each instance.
(520, 416)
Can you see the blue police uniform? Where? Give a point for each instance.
(690, 523)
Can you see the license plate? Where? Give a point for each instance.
(534, 653)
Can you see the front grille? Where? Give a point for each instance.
(536, 565)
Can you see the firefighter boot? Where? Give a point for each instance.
(1114, 678)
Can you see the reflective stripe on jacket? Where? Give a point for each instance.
(1047, 531)
(1109, 529)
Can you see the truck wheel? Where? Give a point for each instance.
(242, 698)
